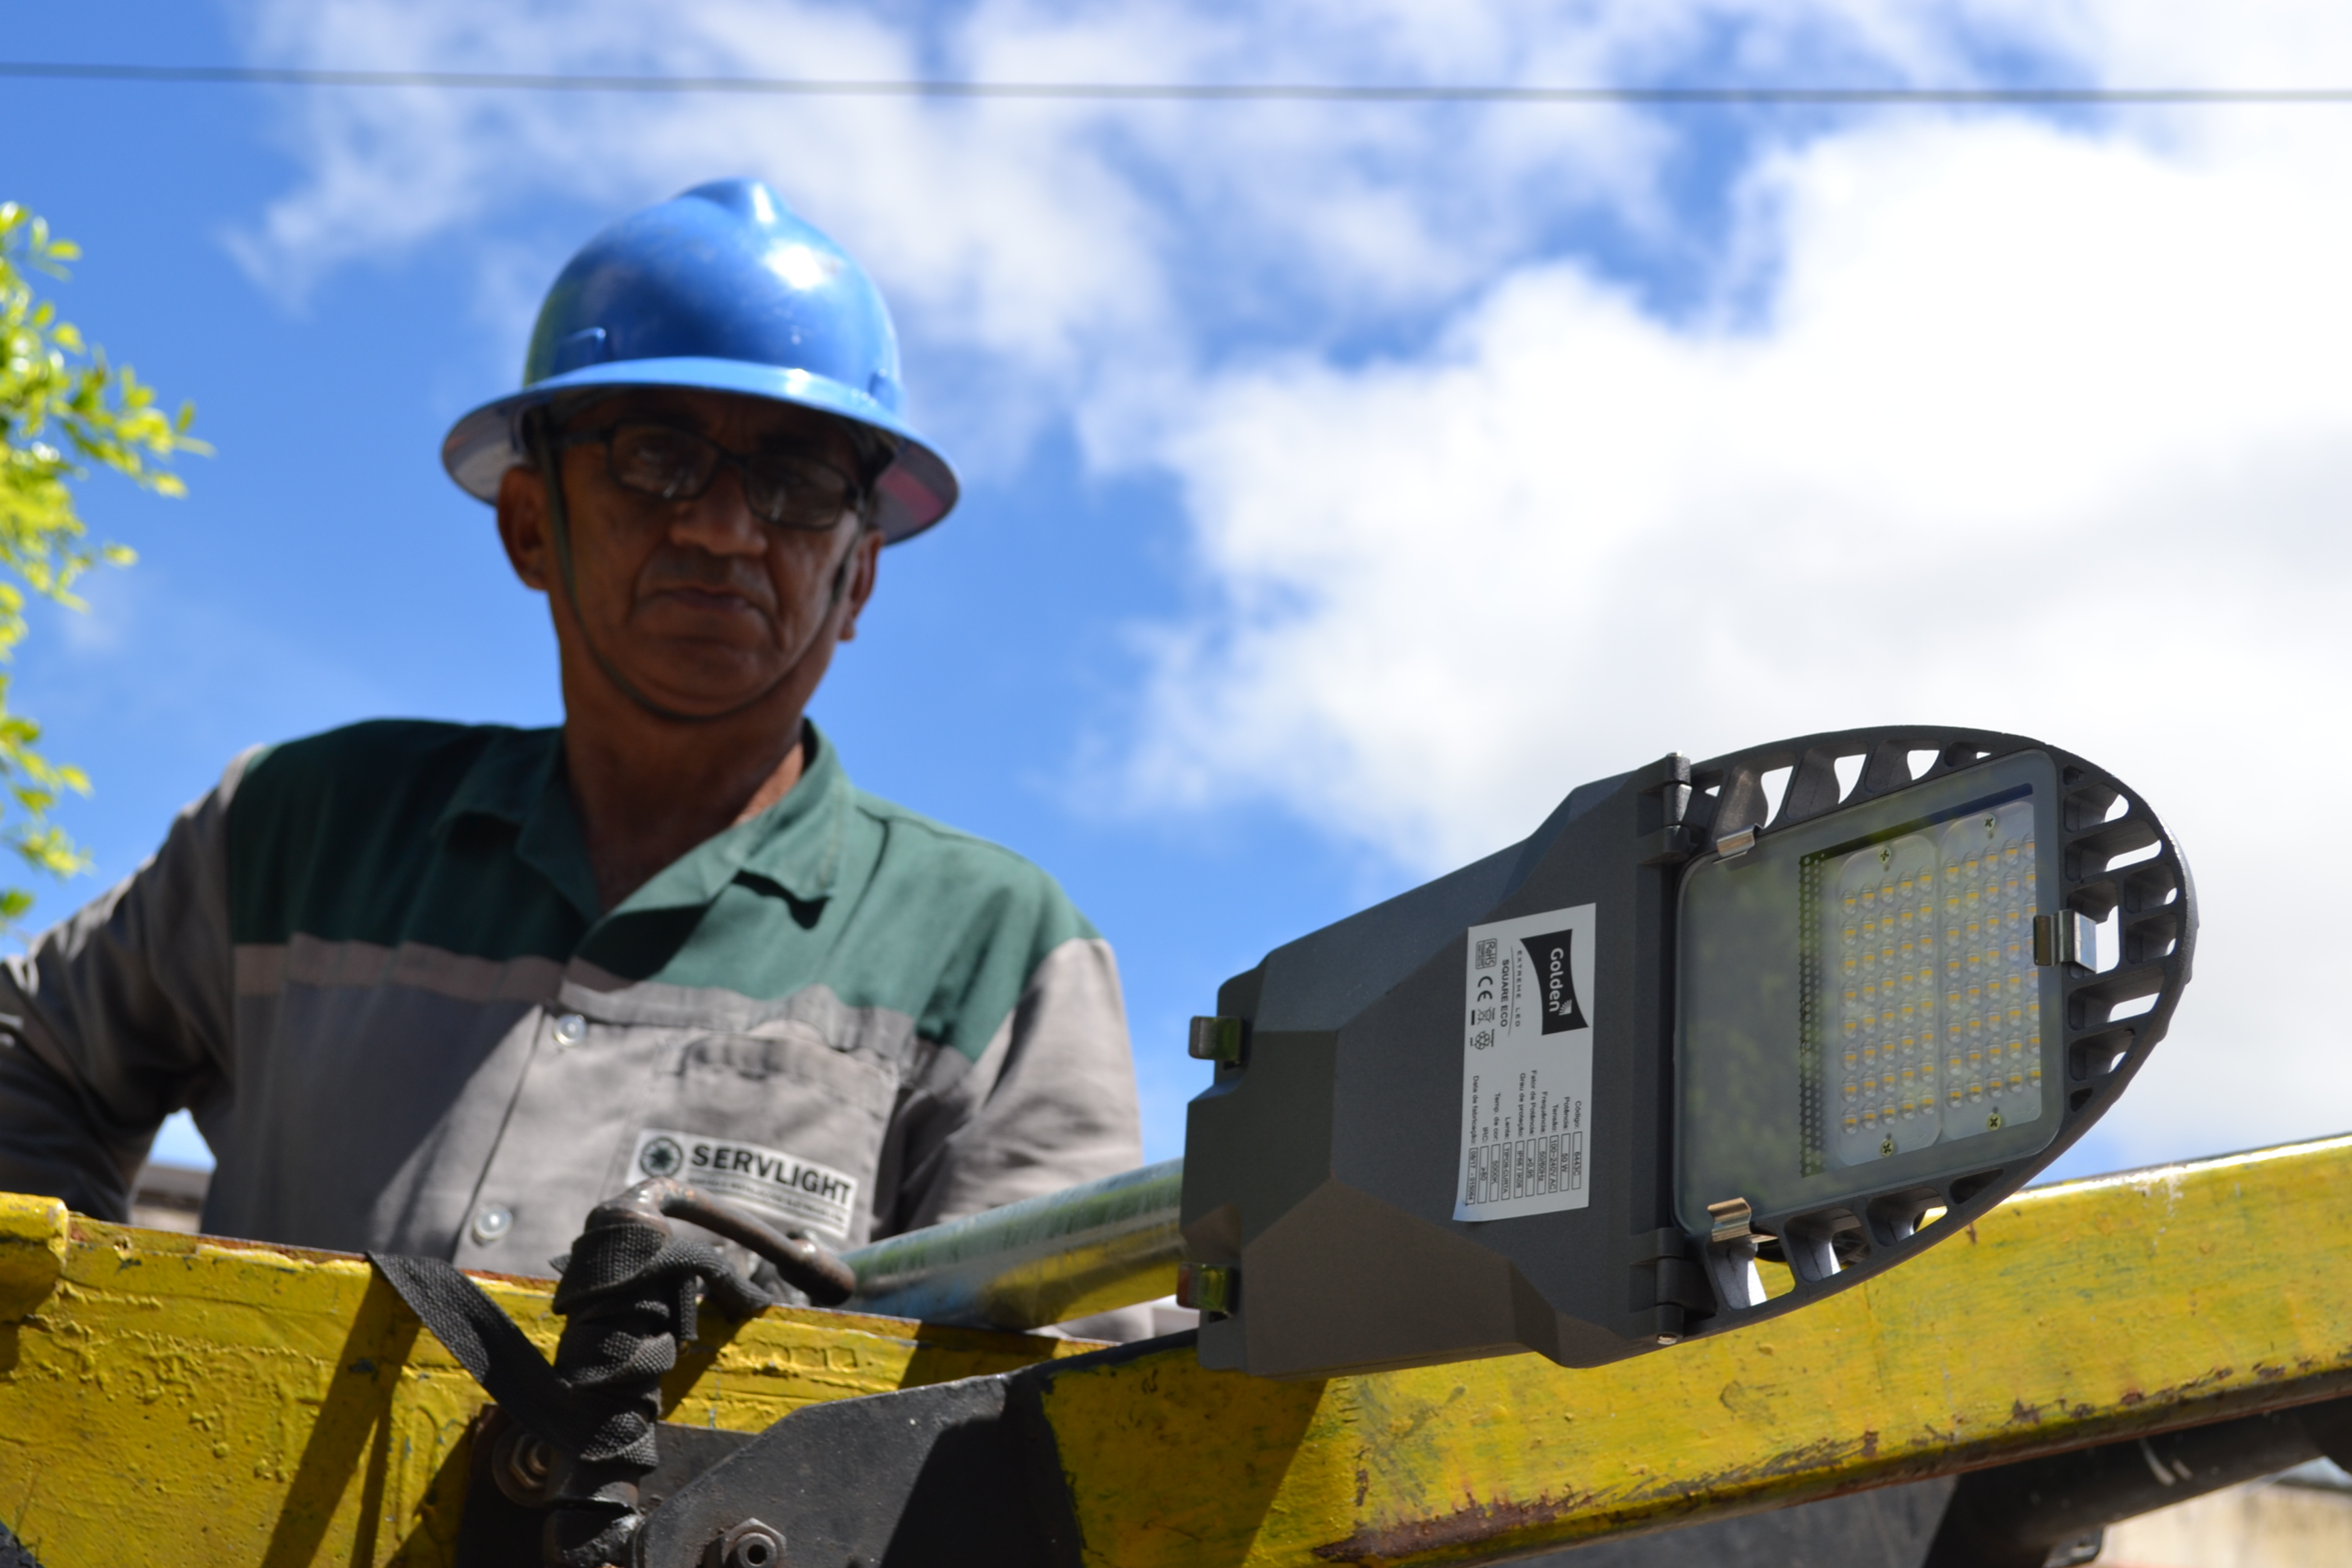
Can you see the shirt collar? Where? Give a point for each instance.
(795, 842)
(508, 779)
(519, 779)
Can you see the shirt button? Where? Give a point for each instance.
(492, 1220)
(571, 1029)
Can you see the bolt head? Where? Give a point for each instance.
(529, 1472)
(749, 1544)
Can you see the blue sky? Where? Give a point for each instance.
(1285, 427)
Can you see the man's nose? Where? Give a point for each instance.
(719, 520)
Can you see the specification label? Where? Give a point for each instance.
(1527, 1066)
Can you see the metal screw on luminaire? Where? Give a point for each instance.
(750, 1544)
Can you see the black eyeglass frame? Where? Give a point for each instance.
(855, 494)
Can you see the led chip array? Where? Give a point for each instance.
(1933, 1027)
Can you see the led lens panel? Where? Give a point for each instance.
(1923, 1004)
(1857, 1006)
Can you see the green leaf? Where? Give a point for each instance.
(65, 410)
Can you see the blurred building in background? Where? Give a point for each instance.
(169, 1197)
(2302, 1519)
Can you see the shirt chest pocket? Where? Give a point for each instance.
(778, 1121)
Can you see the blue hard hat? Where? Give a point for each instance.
(721, 289)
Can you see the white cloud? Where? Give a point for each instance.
(2040, 430)
(1017, 240)
(1054, 254)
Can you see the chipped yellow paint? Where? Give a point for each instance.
(2072, 1314)
(171, 1399)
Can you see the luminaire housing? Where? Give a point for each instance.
(1563, 1098)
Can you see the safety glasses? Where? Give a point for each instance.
(663, 462)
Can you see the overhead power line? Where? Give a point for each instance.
(1171, 92)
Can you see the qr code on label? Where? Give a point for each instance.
(1485, 952)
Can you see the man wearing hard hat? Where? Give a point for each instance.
(436, 988)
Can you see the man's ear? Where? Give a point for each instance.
(522, 527)
(864, 556)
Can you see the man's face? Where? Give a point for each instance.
(696, 602)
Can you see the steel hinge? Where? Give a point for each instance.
(2066, 937)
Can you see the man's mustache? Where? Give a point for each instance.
(676, 567)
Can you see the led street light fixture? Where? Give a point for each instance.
(1818, 1003)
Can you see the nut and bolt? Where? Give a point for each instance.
(527, 1470)
(750, 1544)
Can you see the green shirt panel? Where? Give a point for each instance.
(351, 836)
(463, 839)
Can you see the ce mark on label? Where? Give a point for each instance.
(1483, 997)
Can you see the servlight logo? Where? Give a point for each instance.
(774, 1181)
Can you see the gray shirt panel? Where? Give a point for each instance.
(119, 1016)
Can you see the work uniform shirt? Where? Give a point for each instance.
(374, 964)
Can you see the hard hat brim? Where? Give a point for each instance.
(914, 492)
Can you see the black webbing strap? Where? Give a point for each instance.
(488, 1344)
(628, 1297)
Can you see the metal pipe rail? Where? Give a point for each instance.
(1107, 1243)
